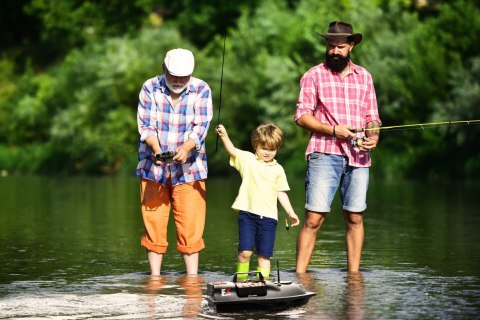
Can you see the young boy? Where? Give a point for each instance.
(263, 182)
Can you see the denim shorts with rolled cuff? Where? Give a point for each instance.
(325, 174)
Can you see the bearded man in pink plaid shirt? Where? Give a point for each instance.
(336, 99)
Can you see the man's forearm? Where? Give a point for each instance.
(311, 123)
(188, 145)
(152, 142)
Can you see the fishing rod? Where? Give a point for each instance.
(359, 141)
(221, 85)
(419, 125)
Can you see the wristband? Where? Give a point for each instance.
(334, 132)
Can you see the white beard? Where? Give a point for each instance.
(176, 89)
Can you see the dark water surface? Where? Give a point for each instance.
(70, 249)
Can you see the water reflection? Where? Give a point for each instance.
(153, 287)
(312, 284)
(338, 293)
(354, 296)
(190, 284)
(308, 281)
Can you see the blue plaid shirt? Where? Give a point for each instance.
(190, 118)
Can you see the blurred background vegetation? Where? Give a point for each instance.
(71, 71)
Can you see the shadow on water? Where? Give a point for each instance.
(71, 250)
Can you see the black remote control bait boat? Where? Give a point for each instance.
(255, 294)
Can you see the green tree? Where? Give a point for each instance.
(78, 115)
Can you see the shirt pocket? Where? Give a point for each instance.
(189, 109)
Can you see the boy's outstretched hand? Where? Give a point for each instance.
(294, 219)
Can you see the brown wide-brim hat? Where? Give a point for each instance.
(341, 30)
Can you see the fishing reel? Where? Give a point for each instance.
(357, 142)
(165, 157)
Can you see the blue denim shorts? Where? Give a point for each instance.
(257, 232)
(327, 172)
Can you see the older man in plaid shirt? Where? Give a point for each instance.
(174, 113)
(336, 97)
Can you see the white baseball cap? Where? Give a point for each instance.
(179, 62)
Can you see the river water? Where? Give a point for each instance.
(70, 249)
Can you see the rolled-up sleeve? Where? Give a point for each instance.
(202, 118)
(306, 99)
(146, 117)
(371, 102)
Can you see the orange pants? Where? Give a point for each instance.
(189, 210)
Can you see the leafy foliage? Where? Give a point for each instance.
(73, 105)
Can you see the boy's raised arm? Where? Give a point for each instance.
(227, 143)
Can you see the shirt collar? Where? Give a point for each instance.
(271, 163)
(353, 67)
(162, 86)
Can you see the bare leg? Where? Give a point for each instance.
(306, 239)
(354, 239)
(155, 260)
(263, 262)
(244, 256)
(264, 266)
(191, 262)
(243, 264)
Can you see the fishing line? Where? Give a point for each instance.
(420, 125)
(246, 66)
(221, 85)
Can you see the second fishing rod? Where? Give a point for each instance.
(416, 126)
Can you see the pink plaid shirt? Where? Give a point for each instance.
(333, 100)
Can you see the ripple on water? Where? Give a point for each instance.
(370, 294)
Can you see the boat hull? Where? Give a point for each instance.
(256, 295)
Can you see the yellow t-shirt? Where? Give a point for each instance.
(261, 182)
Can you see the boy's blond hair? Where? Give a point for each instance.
(267, 135)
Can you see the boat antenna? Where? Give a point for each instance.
(278, 272)
(420, 125)
(221, 85)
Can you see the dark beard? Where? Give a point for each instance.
(336, 62)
